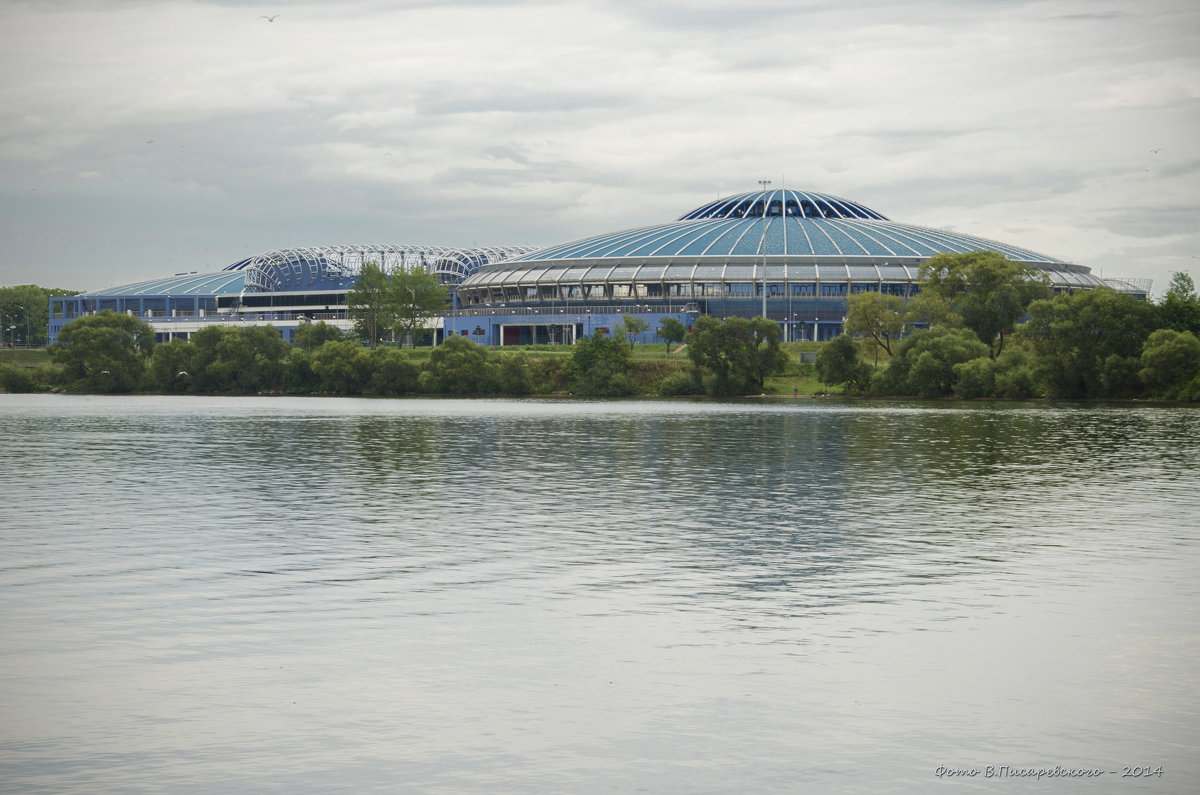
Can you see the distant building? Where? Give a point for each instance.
(794, 255)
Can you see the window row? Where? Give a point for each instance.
(652, 290)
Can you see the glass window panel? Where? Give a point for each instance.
(514, 277)
(678, 272)
(597, 274)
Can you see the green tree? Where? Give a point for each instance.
(171, 366)
(838, 365)
(514, 374)
(415, 297)
(1009, 375)
(342, 367)
(739, 353)
(369, 304)
(311, 336)
(1073, 337)
(105, 352)
(600, 367)
(459, 367)
(26, 308)
(16, 379)
(631, 326)
(926, 310)
(988, 291)
(672, 330)
(1170, 360)
(393, 372)
(1013, 374)
(924, 362)
(877, 316)
(236, 360)
(298, 377)
(1180, 307)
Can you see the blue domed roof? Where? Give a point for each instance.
(780, 223)
(794, 203)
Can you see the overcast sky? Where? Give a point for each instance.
(140, 139)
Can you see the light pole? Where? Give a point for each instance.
(762, 245)
(25, 312)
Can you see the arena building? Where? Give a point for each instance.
(792, 256)
(283, 288)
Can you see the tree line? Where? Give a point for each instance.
(111, 352)
(983, 326)
(980, 326)
(25, 314)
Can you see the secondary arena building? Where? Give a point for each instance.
(793, 256)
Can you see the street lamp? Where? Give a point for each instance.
(25, 312)
(762, 245)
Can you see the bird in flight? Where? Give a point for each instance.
(1155, 151)
(270, 18)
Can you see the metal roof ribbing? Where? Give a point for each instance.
(805, 237)
(218, 283)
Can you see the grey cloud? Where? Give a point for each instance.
(508, 100)
(1153, 222)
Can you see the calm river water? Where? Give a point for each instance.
(488, 596)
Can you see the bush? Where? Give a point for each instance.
(599, 367)
(171, 366)
(394, 373)
(1170, 361)
(512, 372)
(975, 378)
(343, 368)
(838, 365)
(298, 376)
(459, 367)
(551, 374)
(1014, 373)
(17, 379)
(924, 362)
(679, 384)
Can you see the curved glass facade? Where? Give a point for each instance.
(789, 245)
